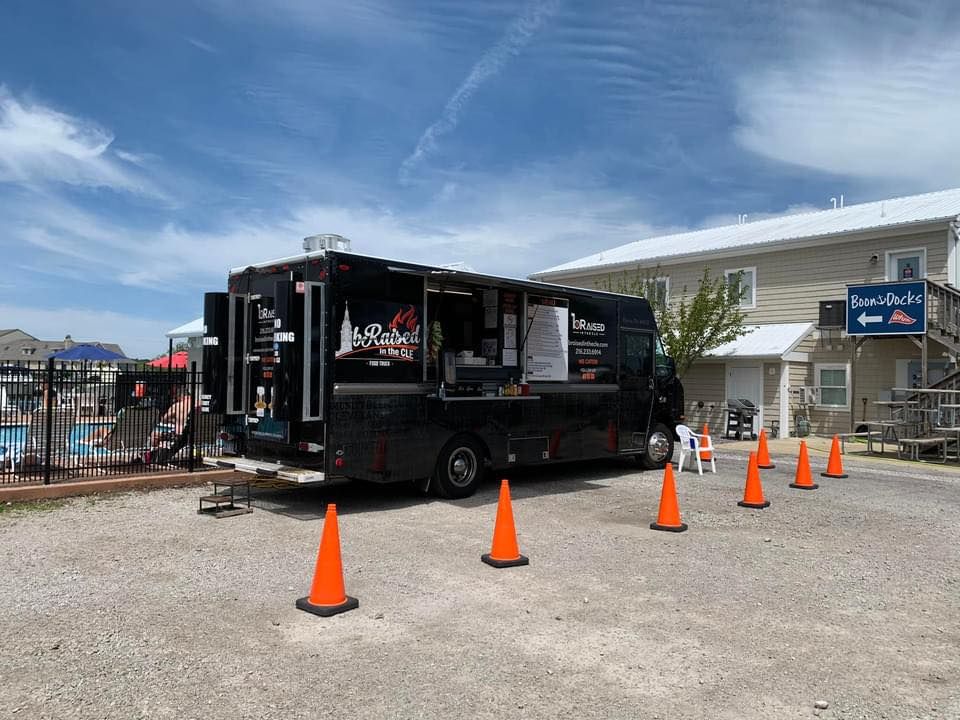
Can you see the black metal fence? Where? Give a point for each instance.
(64, 421)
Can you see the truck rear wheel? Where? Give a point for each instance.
(460, 468)
(659, 450)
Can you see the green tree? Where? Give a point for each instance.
(690, 326)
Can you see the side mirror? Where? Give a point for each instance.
(668, 369)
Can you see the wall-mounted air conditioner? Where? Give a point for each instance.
(833, 314)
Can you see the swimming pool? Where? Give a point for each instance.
(14, 437)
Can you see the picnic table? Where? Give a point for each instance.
(952, 434)
(896, 405)
(890, 431)
(912, 447)
(951, 411)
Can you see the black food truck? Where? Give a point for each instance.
(333, 364)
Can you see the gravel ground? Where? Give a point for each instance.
(134, 606)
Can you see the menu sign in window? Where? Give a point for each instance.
(262, 349)
(593, 328)
(263, 358)
(546, 343)
(509, 315)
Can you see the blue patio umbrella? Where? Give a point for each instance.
(88, 351)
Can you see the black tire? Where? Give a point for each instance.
(460, 468)
(659, 449)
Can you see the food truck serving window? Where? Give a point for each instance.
(480, 325)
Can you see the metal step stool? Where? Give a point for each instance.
(221, 505)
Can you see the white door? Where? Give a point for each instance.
(746, 382)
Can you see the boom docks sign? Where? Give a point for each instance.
(894, 308)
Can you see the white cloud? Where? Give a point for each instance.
(39, 144)
(497, 225)
(876, 101)
(201, 45)
(138, 336)
(130, 157)
(490, 64)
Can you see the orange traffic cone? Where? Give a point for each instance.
(753, 490)
(327, 596)
(668, 518)
(505, 552)
(834, 464)
(803, 480)
(763, 456)
(706, 452)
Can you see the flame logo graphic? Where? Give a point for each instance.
(407, 318)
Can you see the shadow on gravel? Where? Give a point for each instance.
(306, 503)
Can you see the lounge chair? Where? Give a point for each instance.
(11, 447)
(37, 443)
(128, 440)
(206, 428)
(131, 430)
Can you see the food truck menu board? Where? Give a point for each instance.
(547, 342)
(261, 370)
(508, 310)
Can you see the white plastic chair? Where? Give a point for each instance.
(691, 444)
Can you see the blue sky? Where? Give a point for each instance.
(147, 147)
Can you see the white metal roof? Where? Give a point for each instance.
(194, 328)
(765, 341)
(930, 207)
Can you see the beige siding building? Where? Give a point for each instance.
(798, 360)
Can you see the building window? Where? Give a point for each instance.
(660, 288)
(747, 286)
(832, 379)
(907, 264)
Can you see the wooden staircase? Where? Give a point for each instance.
(943, 315)
(933, 403)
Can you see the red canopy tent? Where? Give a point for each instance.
(180, 360)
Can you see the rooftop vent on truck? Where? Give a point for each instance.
(327, 241)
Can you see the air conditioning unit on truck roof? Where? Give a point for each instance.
(326, 241)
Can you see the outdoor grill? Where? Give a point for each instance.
(740, 414)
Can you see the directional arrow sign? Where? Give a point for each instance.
(892, 308)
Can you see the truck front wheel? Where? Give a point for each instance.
(659, 450)
(460, 468)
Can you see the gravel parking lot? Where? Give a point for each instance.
(134, 606)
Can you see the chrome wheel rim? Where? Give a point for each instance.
(658, 446)
(462, 467)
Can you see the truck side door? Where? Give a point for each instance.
(635, 377)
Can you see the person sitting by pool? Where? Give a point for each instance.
(170, 435)
(174, 421)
